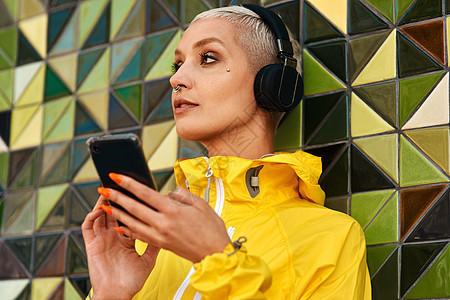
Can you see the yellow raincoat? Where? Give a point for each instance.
(296, 248)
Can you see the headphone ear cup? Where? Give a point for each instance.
(274, 95)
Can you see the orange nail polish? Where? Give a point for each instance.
(104, 192)
(119, 230)
(115, 177)
(107, 209)
(98, 208)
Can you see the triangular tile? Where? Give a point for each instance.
(385, 282)
(335, 181)
(57, 293)
(4, 161)
(8, 43)
(385, 7)
(84, 123)
(154, 93)
(289, 131)
(154, 46)
(29, 8)
(383, 64)
(16, 202)
(316, 78)
(55, 157)
(121, 55)
(163, 111)
(162, 177)
(12, 289)
(157, 17)
(133, 70)
(43, 245)
(31, 133)
(76, 261)
(412, 91)
(434, 142)
(413, 204)
(5, 121)
(160, 69)
(86, 62)
(56, 218)
(70, 293)
(376, 256)
(365, 176)
(166, 154)
(422, 10)
(19, 161)
(131, 97)
(340, 204)
(23, 76)
(42, 288)
(54, 86)
(382, 98)
(35, 30)
(57, 22)
(6, 87)
(47, 198)
(174, 6)
(364, 121)
(86, 172)
(67, 39)
(383, 228)
(134, 25)
(26, 174)
(364, 206)
(63, 127)
(430, 36)
(412, 60)
(90, 12)
(415, 168)
(152, 136)
(98, 77)
(97, 105)
(434, 283)
(195, 7)
(34, 92)
(6, 19)
(11, 268)
(402, 7)
(88, 192)
(80, 156)
(383, 150)
(435, 225)
(12, 7)
(335, 11)
(54, 264)
(21, 247)
(333, 56)
(328, 154)
(22, 222)
(77, 211)
(66, 68)
(120, 9)
(361, 19)
(434, 110)
(361, 50)
(415, 260)
(119, 117)
(81, 284)
(100, 32)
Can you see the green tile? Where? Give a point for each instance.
(6, 86)
(423, 10)
(43, 245)
(76, 262)
(131, 96)
(402, 7)
(54, 86)
(86, 63)
(289, 132)
(57, 22)
(55, 162)
(5, 17)
(413, 91)
(361, 19)
(376, 256)
(174, 6)
(157, 18)
(4, 161)
(47, 198)
(134, 25)
(56, 218)
(386, 7)
(53, 265)
(334, 56)
(121, 54)
(28, 173)
(194, 8)
(335, 181)
(23, 221)
(12, 6)
(383, 228)
(10, 266)
(84, 122)
(435, 282)
(100, 33)
(67, 40)
(415, 168)
(26, 53)
(70, 293)
(412, 60)
(8, 44)
(364, 206)
(133, 70)
(317, 27)
(337, 204)
(154, 46)
(385, 283)
(21, 247)
(77, 211)
(118, 115)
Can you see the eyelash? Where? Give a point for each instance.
(203, 58)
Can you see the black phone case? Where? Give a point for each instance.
(121, 154)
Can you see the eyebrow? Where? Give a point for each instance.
(204, 42)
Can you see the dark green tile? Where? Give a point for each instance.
(118, 115)
(54, 86)
(80, 155)
(84, 122)
(76, 262)
(335, 180)
(21, 247)
(100, 33)
(88, 192)
(86, 61)
(163, 111)
(333, 56)
(362, 19)
(154, 93)
(53, 265)
(27, 172)
(131, 96)
(162, 177)
(57, 22)
(133, 70)
(5, 17)
(376, 256)
(190, 149)
(154, 46)
(338, 204)
(82, 284)
(4, 165)
(289, 13)
(11, 268)
(26, 53)
(77, 211)
(5, 123)
(317, 28)
(385, 283)
(157, 17)
(56, 218)
(59, 165)
(423, 10)
(43, 245)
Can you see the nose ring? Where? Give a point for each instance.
(177, 88)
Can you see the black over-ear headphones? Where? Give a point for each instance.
(278, 87)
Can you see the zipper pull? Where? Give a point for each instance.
(209, 172)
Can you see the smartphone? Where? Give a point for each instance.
(121, 154)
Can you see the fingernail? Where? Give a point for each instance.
(119, 230)
(106, 209)
(98, 208)
(115, 177)
(104, 192)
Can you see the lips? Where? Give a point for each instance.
(182, 105)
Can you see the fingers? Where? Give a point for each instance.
(184, 197)
(88, 224)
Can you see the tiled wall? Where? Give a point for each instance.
(376, 109)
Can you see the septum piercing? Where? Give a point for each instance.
(177, 88)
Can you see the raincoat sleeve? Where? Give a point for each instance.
(236, 276)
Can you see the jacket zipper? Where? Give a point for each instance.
(218, 209)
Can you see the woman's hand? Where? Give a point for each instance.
(182, 222)
(116, 271)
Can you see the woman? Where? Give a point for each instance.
(286, 244)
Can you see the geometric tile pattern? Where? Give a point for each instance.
(376, 109)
